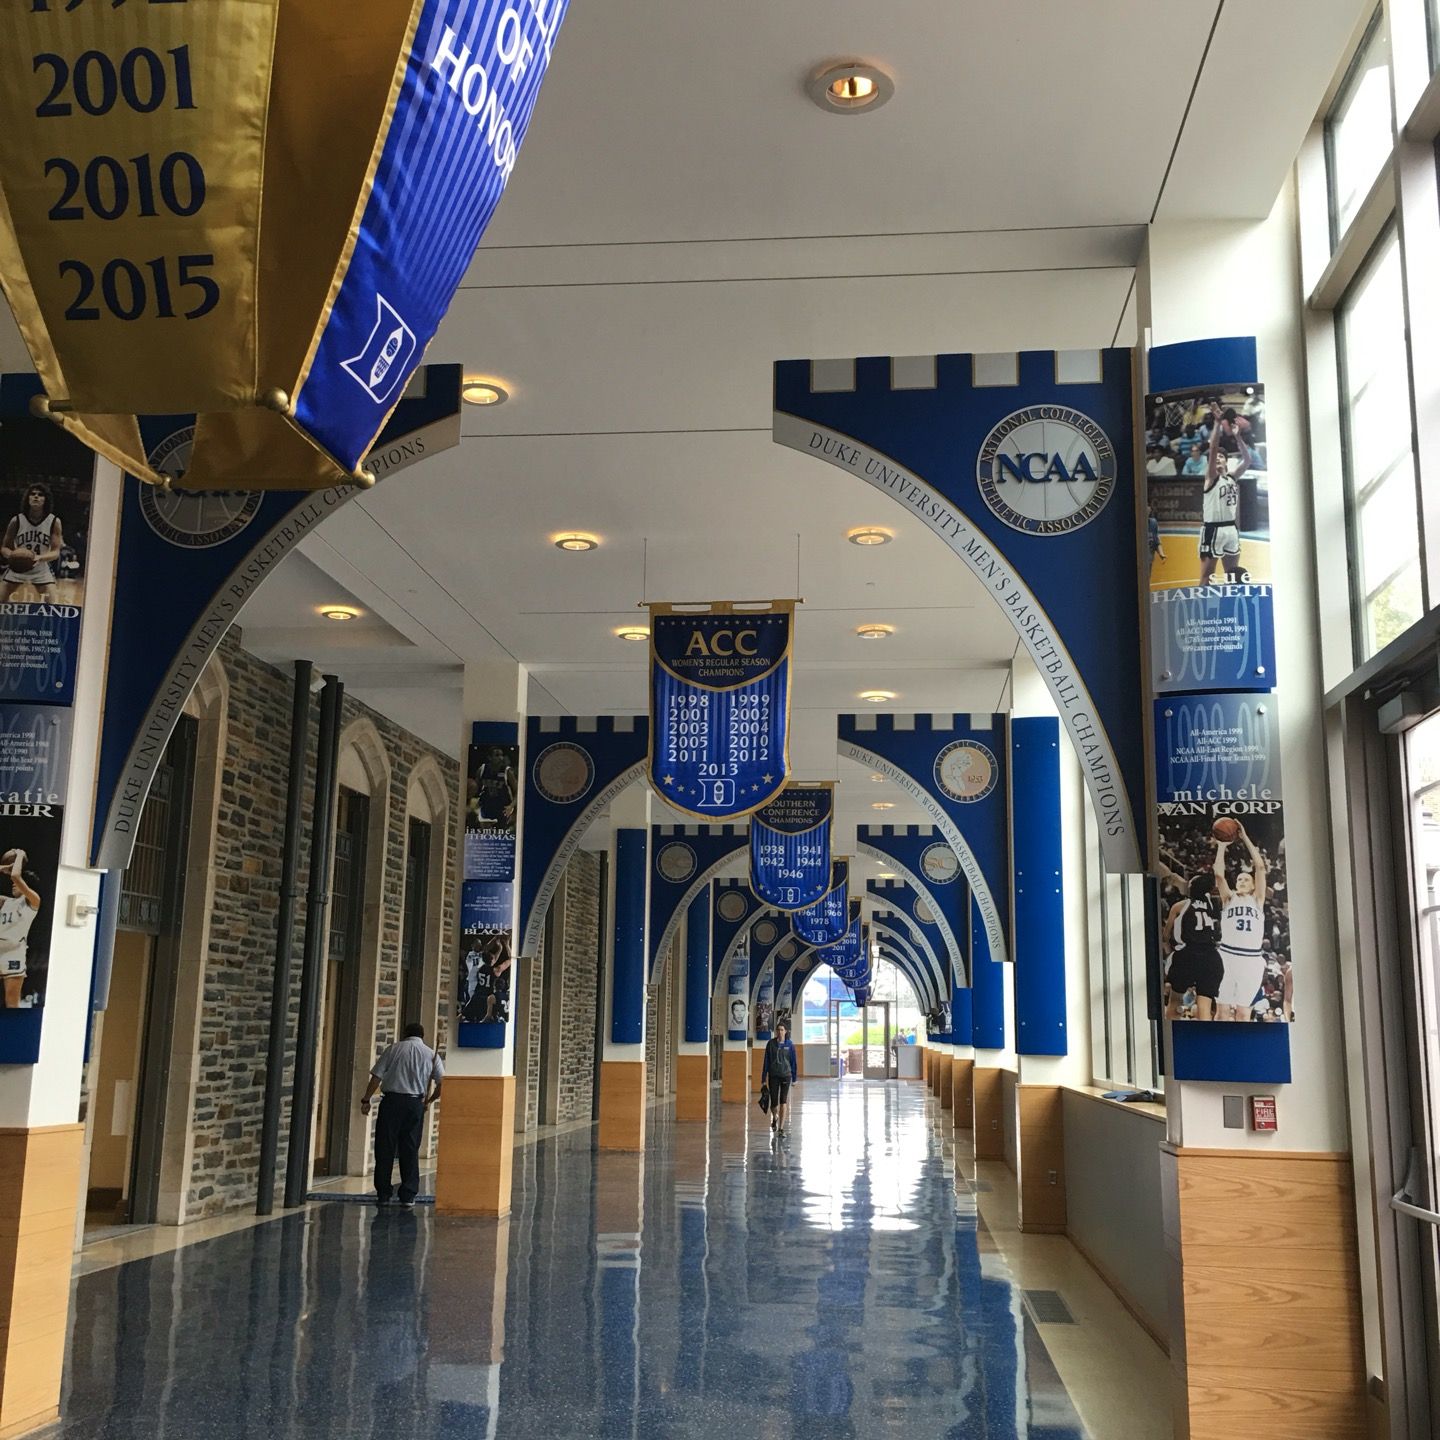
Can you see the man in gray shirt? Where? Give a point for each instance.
(408, 1075)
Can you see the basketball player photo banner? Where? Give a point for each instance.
(1225, 900)
(34, 770)
(1023, 465)
(957, 768)
(575, 766)
(790, 846)
(1208, 477)
(930, 872)
(720, 706)
(487, 892)
(686, 858)
(47, 483)
(375, 153)
(737, 1000)
(187, 562)
(824, 922)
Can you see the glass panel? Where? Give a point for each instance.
(1359, 128)
(1379, 457)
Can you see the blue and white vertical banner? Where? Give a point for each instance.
(462, 98)
(720, 705)
(737, 1000)
(824, 922)
(1225, 896)
(929, 868)
(487, 890)
(1023, 465)
(684, 859)
(574, 767)
(956, 767)
(930, 979)
(790, 846)
(902, 909)
(847, 956)
(734, 910)
(1208, 475)
(771, 939)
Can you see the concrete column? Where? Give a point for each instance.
(476, 1143)
(622, 1066)
(692, 1063)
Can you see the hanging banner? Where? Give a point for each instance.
(720, 706)
(846, 957)
(487, 891)
(685, 859)
(1212, 620)
(1023, 465)
(957, 769)
(790, 846)
(1225, 900)
(377, 172)
(930, 872)
(47, 485)
(212, 552)
(824, 922)
(34, 768)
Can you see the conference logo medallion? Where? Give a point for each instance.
(766, 933)
(966, 771)
(939, 865)
(732, 906)
(192, 519)
(676, 862)
(563, 773)
(1046, 470)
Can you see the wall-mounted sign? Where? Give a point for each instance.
(720, 706)
(140, 145)
(790, 846)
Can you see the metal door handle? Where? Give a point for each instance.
(1401, 1200)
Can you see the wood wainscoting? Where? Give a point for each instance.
(623, 1102)
(989, 1121)
(476, 1146)
(1040, 1181)
(963, 1088)
(1266, 1320)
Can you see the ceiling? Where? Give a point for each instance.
(681, 217)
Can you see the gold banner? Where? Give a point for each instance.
(132, 139)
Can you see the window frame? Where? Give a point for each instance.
(1343, 93)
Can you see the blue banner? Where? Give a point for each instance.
(923, 915)
(894, 915)
(465, 95)
(1023, 464)
(734, 910)
(684, 859)
(790, 846)
(957, 769)
(574, 767)
(771, 939)
(847, 956)
(720, 706)
(824, 922)
(923, 857)
(214, 549)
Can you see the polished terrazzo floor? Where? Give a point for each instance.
(721, 1286)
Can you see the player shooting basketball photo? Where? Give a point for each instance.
(28, 860)
(1225, 905)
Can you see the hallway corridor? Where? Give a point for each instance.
(723, 1285)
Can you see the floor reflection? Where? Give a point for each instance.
(722, 1285)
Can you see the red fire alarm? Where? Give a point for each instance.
(1262, 1113)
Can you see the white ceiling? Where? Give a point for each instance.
(681, 217)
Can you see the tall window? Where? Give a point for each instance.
(1359, 130)
(1124, 1041)
(1379, 456)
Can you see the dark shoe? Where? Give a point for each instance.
(381, 1200)
(406, 1204)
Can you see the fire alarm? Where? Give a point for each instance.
(1262, 1113)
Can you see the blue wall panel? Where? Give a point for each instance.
(697, 969)
(1039, 887)
(627, 978)
(987, 989)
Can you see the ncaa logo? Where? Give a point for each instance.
(193, 519)
(384, 361)
(1046, 470)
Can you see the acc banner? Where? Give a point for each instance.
(957, 768)
(1225, 898)
(1023, 465)
(720, 706)
(824, 922)
(209, 551)
(937, 888)
(47, 484)
(575, 766)
(686, 858)
(1212, 621)
(790, 846)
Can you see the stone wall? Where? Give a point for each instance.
(579, 977)
(239, 968)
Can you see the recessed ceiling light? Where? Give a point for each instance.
(874, 632)
(339, 612)
(882, 804)
(576, 541)
(633, 632)
(850, 87)
(475, 391)
(877, 697)
(870, 535)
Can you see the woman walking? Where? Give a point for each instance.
(780, 1072)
